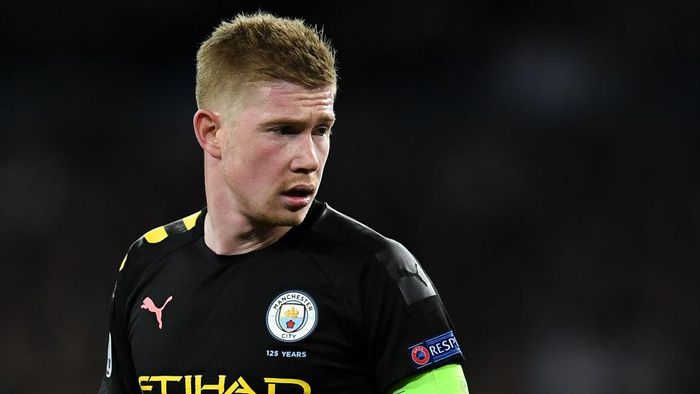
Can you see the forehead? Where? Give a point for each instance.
(288, 98)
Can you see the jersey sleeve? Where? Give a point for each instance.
(120, 375)
(448, 379)
(409, 330)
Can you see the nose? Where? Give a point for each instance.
(306, 155)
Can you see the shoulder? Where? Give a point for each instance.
(380, 254)
(159, 242)
(335, 229)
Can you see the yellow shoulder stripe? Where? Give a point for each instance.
(121, 267)
(156, 235)
(191, 220)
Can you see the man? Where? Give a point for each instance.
(267, 290)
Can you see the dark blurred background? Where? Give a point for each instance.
(540, 161)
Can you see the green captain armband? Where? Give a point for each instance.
(448, 379)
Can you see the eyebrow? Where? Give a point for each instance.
(298, 121)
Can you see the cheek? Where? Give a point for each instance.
(241, 162)
(262, 162)
(323, 151)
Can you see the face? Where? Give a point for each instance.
(275, 145)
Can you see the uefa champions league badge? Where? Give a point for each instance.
(434, 350)
(292, 316)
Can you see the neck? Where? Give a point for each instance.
(229, 233)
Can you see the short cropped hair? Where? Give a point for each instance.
(261, 47)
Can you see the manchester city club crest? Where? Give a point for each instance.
(292, 316)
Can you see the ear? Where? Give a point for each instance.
(207, 129)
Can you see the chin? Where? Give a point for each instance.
(286, 218)
(292, 222)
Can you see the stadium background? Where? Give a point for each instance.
(539, 161)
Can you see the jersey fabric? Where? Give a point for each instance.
(448, 379)
(331, 307)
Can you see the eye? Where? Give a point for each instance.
(322, 130)
(283, 130)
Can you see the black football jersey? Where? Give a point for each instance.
(331, 307)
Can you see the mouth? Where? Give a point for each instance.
(299, 191)
(298, 197)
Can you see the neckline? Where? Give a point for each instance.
(317, 208)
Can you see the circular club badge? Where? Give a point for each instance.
(420, 355)
(292, 316)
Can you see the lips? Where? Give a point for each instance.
(297, 197)
(299, 191)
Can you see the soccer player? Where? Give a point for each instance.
(267, 290)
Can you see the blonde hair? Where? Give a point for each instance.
(261, 47)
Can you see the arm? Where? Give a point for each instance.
(410, 332)
(448, 379)
(119, 376)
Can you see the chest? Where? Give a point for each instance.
(263, 325)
